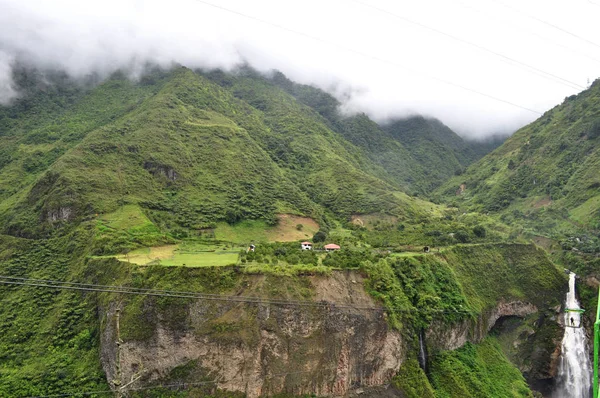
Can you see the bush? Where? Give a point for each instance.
(320, 236)
(461, 236)
(480, 231)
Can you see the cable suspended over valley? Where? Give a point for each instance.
(90, 287)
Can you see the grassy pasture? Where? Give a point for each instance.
(258, 231)
(182, 255)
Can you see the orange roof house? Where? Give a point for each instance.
(331, 247)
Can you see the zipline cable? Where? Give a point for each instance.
(53, 284)
(530, 32)
(513, 61)
(516, 10)
(372, 57)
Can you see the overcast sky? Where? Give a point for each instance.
(481, 66)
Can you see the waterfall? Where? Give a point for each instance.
(574, 378)
(422, 352)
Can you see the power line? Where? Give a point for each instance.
(189, 295)
(533, 69)
(546, 23)
(530, 32)
(372, 57)
(54, 284)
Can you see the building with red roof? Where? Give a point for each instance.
(331, 247)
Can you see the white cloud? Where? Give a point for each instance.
(7, 91)
(392, 67)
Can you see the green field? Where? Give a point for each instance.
(182, 255)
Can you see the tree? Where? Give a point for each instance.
(480, 231)
(320, 236)
(461, 236)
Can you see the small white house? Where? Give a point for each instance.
(306, 246)
(331, 247)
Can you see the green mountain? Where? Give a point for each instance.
(440, 151)
(163, 183)
(417, 153)
(188, 152)
(546, 176)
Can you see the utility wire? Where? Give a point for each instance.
(530, 32)
(169, 293)
(546, 23)
(372, 57)
(54, 284)
(510, 60)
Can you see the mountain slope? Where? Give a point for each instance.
(440, 151)
(163, 165)
(548, 172)
(417, 154)
(189, 152)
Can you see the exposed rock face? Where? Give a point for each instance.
(446, 337)
(162, 170)
(60, 214)
(264, 349)
(535, 339)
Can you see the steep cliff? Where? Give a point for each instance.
(262, 349)
(319, 334)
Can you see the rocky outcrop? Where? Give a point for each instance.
(161, 170)
(59, 214)
(264, 349)
(450, 337)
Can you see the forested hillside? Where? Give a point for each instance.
(416, 153)
(150, 237)
(546, 176)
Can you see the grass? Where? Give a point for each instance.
(242, 232)
(175, 255)
(285, 230)
(582, 213)
(512, 271)
(127, 218)
(477, 370)
(290, 228)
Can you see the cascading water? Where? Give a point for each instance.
(574, 378)
(422, 352)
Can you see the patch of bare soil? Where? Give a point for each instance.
(288, 228)
(546, 201)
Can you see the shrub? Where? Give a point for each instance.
(480, 231)
(461, 236)
(320, 236)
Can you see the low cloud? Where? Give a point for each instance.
(370, 60)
